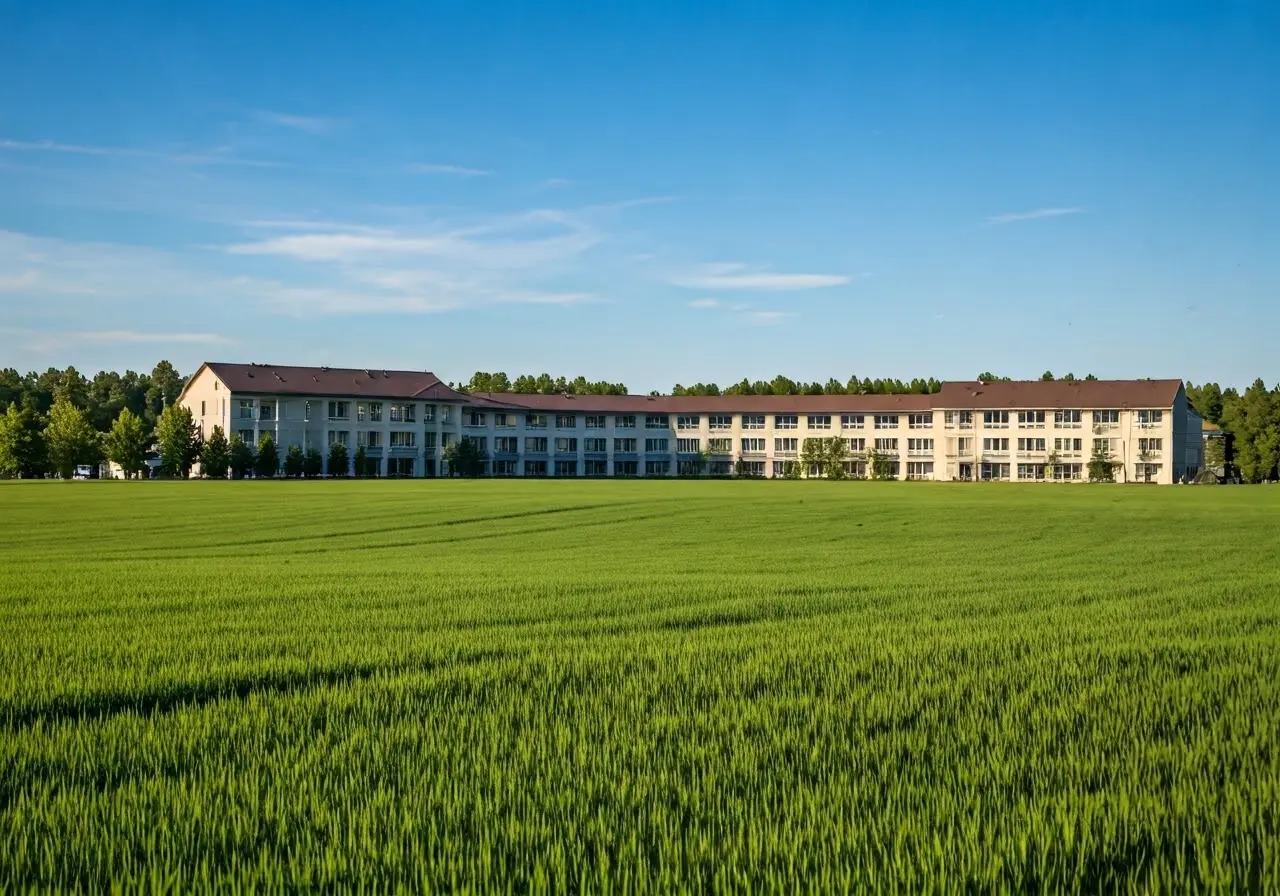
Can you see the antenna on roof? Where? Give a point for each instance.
(324, 366)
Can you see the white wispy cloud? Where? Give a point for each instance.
(60, 340)
(216, 156)
(734, 275)
(459, 170)
(749, 313)
(1035, 213)
(311, 124)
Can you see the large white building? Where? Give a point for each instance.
(969, 430)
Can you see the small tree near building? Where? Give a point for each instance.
(293, 461)
(464, 458)
(215, 454)
(240, 457)
(127, 443)
(69, 439)
(268, 463)
(179, 440)
(338, 462)
(312, 463)
(362, 461)
(1102, 468)
(22, 447)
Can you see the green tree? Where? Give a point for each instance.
(240, 457)
(338, 464)
(879, 464)
(69, 439)
(215, 454)
(835, 455)
(1102, 467)
(362, 461)
(813, 456)
(312, 463)
(268, 462)
(178, 437)
(22, 446)
(163, 389)
(127, 443)
(293, 461)
(464, 458)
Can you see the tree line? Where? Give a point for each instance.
(1250, 421)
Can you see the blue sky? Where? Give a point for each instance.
(650, 193)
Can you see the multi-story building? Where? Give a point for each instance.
(1030, 431)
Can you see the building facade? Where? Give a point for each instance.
(1015, 431)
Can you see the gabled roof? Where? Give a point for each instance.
(341, 382)
(1034, 394)
(705, 404)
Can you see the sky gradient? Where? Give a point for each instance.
(674, 193)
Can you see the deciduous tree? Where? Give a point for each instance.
(215, 454)
(178, 438)
(127, 443)
(22, 447)
(268, 462)
(69, 439)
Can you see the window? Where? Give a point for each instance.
(371, 439)
(1152, 446)
(855, 469)
(504, 468)
(952, 419)
(338, 410)
(997, 446)
(1150, 418)
(852, 421)
(566, 421)
(656, 445)
(920, 469)
(1068, 446)
(375, 412)
(720, 446)
(535, 421)
(886, 421)
(596, 421)
(920, 421)
(596, 446)
(995, 419)
(856, 446)
(719, 468)
(404, 413)
(202, 409)
(446, 439)
(626, 468)
(566, 468)
(1146, 472)
(688, 446)
(1031, 472)
(657, 468)
(247, 409)
(444, 414)
(627, 421)
(753, 421)
(995, 472)
(964, 444)
(785, 446)
(820, 421)
(624, 446)
(566, 446)
(1066, 419)
(429, 441)
(506, 445)
(1031, 419)
(246, 436)
(536, 444)
(753, 446)
(657, 421)
(481, 442)
(339, 437)
(786, 421)
(1106, 418)
(752, 469)
(1067, 472)
(720, 421)
(535, 467)
(475, 418)
(361, 412)
(403, 439)
(504, 421)
(780, 468)
(887, 445)
(688, 422)
(1030, 444)
(306, 412)
(597, 467)
(1102, 447)
(919, 446)
(428, 413)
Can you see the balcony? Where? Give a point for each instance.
(403, 450)
(919, 452)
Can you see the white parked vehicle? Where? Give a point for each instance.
(83, 471)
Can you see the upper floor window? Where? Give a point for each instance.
(404, 413)
(962, 419)
(428, 413)
(1066, 419)
(753, 421)
(625, 421)
(404, 439)
(1106, 418)
(720, 446)
(819, 421)
(920, 421)
(720, 421)
(566, 421)
(266, 410)
(339, 410)
(535, 421)
(1031, 419)
(886, 444)
(1150, 418)
(786, 421)
(688, 421)
(504, 420)
(995, 419)
(475, 418)
(657, 421)
(596, 421)
(624, 446)
(886, 421)
(655, 445)
(247, 410)
(852, 421)
(688, 446)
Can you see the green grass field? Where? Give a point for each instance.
(639, 686)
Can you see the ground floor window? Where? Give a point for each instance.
(995, 472)
(965, 473)
(753, 468)
(720, 468)
(1067, 472)
(919, 469)
(566, 468)
(504, 468)
(626, 468)
(535, 468)
(597, 468)
(1031, 472)
(1146, 472)
(855, 469)
(400, 466)
(657, 468)
(690, 468)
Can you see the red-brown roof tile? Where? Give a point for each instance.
(1034, 394)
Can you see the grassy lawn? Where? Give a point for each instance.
(639, 686)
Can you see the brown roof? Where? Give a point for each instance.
(708, 404)
(342, 382)
(1032, 394)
